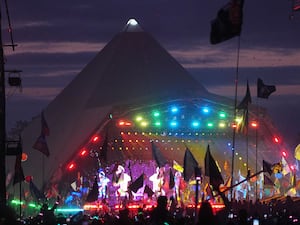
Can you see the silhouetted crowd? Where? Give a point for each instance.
(274, 212)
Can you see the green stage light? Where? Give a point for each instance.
(157, 124)
(156, 113)
(210, 125)
(222, 115)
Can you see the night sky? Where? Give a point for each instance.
(56, 39)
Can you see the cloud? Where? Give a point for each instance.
(207, 57)
(57, 47)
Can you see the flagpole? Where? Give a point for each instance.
(2, 123)
(20, 196)
(234, 116)
(256, 147)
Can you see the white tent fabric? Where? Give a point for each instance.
(131, 68)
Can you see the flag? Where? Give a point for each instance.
(226, 186)
(19, 174)
(104, 149)
(137, 184)
(171, 179)
(268, 182)
(243, 126)
(35, 192)
(293, 179)
(177, 167)
(189, 165)
(285, 167)
(41, 145)
(158, 156)
(93, 193)
(208, 192)
(296, 5)
(44, 125)
(297, 152)
(148, 191)
(264, 91)
(41, 142)
(267, 167)
(246, 100)
(228, 23)
(212, 171)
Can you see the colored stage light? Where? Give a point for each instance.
(276, 139)
(156, 113)
(195, 124)
(139, 118)
(83, 152)
(95, 138)
(284, 154)
(206, 110)
(173, 124)
(157, 124)
(222, 115)
(123, 123)
(254, 124)
(144, 123)
(210, 124)
(71, 166)
(174, 109)
(222, 124)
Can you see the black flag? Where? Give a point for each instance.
(189, 165)
(228, 23)
(35, 192)
(41, 142)
(212, 171)
(137, 184)
(93, 193)
(264, 91)
(267, 167)
(158, 156)
(246, 100)
(148, 191)
(19, 174)
(171, 179)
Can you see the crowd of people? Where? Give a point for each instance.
(284, 211)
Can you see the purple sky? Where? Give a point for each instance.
(56, 40)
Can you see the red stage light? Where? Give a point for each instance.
(123, 123)
(284, 153)
(71, 166)
(254, 124)
(276, 139)
(293, 168)
(83, 152)
(95, 138)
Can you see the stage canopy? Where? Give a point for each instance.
(132, 93)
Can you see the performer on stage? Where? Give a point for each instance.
(121, 180)
(102, 184)
(158, 181)
(179, 186)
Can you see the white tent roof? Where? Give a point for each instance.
(131, 68)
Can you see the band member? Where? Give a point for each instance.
(121, 180)
(179, 186)
(102, 185)
(158, 179)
